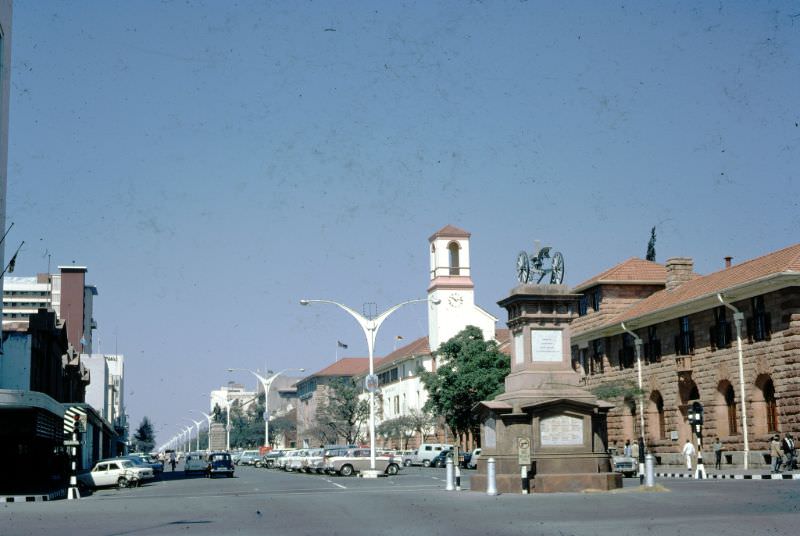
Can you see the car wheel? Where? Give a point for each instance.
(407, 463)
(392, 469)
(122, 482)
(426, 463)
(346, 470)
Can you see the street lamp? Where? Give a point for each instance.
(266, 383)
(197, 423)
(209, 418)
(370, 327)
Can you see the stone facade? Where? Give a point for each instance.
(689, 352)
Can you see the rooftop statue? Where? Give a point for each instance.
(535, 267)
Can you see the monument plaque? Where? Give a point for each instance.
(546, 346)
(561, 430)
(489, 433)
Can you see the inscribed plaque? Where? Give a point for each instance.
(546, 345)
(519, 349)
(561, 430)
(489, 433)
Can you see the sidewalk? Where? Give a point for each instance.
(727, 472)
(34, 497)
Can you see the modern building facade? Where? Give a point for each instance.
(687, 328)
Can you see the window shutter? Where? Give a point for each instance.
(750, 329)
(712, 337)
(767, 326)
(728, 335)
(690, 350)
(678, 345)
(620, 358)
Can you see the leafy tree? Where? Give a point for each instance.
(651, 246)
(421, 422)
(281, 426)
(341, 413)
(400, 427)
(471, 370)
(144, 438)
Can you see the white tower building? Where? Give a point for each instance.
(452, 284)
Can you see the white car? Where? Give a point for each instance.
(121, 473)
(473, 460)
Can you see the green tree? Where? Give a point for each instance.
(144, 438)
(341, 412)
(471, 370)
(651, 246)
(400, 428)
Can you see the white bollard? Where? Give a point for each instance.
(491, 477)
(449, 470)
(458, 478)
(649, 473)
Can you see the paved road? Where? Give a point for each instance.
(266, 502)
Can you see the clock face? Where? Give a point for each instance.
(455, 300)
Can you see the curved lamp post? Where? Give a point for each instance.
(209, 418)
(370, 327)
(197, 424)
(266, 383)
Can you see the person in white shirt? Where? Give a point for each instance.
(688, 451)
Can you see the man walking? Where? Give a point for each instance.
(718, 454)
(776, 453)
(787, 446)
(688, 451)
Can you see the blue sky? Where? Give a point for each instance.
(214, 162)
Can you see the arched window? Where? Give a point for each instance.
(771, 406)
(454, 260)
(656, 420)
(730, 404)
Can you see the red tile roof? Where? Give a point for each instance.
(417, 347)
(631, 271)
(449, 231)
(786, 260)
(347, 366)
(503, 338)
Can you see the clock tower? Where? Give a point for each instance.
(451, 284)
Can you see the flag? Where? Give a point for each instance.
(340, 344)
(12, 264)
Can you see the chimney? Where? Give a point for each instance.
(679, 271)
(728, 262)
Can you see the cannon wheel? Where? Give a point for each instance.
(557, 270)
(523, 267)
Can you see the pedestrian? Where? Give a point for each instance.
(787, 446)
(626, 451)
(172, 461)
(635, 451)
(718, 448)
(776, 453)
(688, 451)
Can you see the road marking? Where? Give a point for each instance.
(335, 484)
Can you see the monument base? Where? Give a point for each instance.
(576, 482)
(552, 483)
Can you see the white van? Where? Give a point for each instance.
(196, 462)
(428, 451)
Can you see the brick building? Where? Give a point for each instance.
(687, 335)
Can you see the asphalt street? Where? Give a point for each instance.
(268, 502)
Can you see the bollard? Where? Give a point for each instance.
(491, 478)
(649, 475)
(458, 478)
(449, 471)
(523, 474)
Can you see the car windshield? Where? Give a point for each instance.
(127, 464)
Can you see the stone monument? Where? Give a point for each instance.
(546, 433)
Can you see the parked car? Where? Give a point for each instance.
(357, 460)
(428, 451)
(120, 472)
(270, 459)
(219, 463)
(196, 462)
(408, 458)
(314, 461)
(473, 459)
(248, 457)
(441, 459)
(627, 465)
(156, 465)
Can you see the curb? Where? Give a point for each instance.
(768, 476)
(40, 497)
